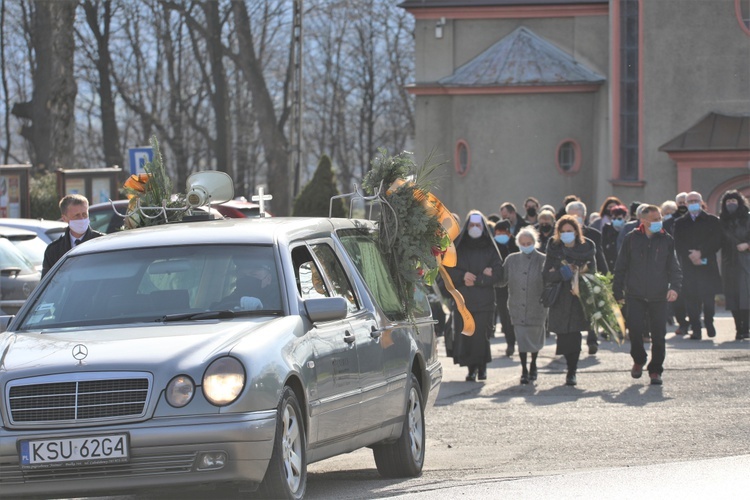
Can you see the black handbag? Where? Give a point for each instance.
(550, 294)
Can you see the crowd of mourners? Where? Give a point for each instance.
(665, 265)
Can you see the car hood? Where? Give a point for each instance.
(133, 348)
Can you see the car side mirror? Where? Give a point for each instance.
(5, 321)
(326, 309)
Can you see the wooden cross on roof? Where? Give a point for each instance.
(261, 198)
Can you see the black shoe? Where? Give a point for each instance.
(532, 373)
(570, 380)
(593, 348)
(471, 377)
(482, 375)
(655, 378)
(710, 331)
(525, 378)
(509, 351)
(695, 336)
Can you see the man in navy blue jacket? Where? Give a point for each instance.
(647, 277)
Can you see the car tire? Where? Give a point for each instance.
(286, 476)
(405, 456)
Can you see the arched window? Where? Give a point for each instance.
(742, 11)
(462, 157)
(568, 159)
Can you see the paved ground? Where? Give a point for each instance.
(480, 433)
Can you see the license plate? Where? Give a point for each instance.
(90, 450)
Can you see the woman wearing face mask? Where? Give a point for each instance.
(610, 232)
(506, 245)
(567, 252)
(605, 212)
(523, 277)
(74, 209)
(546, 228)
(478, 269)
(735, 259)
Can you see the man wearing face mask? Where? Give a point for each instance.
(506, 245)
(74, 209)
(478, 269)
(546, 228)
(647, 277)
(532, 210)
(697, 237)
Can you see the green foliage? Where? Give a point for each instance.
(315, 197)
(44, 198)
(410, 234)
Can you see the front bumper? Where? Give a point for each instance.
(163, 452)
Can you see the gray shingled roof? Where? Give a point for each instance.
(713, 132)
(522, 59)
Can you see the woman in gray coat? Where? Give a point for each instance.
(523, 276)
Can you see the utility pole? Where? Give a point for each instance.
(295, 126)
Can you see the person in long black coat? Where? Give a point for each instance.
(567, 252)
(735, 259)
(478, 268)
(610, 232)
(698, 237)
(74, 209)
(506, 245)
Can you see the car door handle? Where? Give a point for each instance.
(375, 333)
(348, 337)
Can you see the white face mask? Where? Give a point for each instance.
(79, 226)
(475, 232)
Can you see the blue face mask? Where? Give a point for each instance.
(527, 249)
(503, 239)
(667, 216)
(694, 207)
(655, 227)
(618, 223)
(567, 237)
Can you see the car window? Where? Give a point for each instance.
(136, 285)
(12, 258)
(310, 283)
(368, 259)
(32, 248)
(99, 221)
(335, 273)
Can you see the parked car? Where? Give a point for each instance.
(18, 277)
(232, 352)
(105, 220)
(239, 208)
(29, 244)
(47, 230)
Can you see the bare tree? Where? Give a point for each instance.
(51, 109)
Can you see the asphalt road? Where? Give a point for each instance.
(609, 437)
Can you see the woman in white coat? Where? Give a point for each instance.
(523, 276)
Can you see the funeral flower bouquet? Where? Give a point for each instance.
(599, 304)
(151, 199)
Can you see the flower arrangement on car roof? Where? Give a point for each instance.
(152, 189)
(411, 235)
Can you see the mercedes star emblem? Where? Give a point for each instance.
(80, 352)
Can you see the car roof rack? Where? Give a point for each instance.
(374, 208)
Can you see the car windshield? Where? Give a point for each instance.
(157, 285)
(32, 248)
(12, 258)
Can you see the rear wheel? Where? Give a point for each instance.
(286, 476)
(405, 457)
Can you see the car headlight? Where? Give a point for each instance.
(180, 391)
(223, 381)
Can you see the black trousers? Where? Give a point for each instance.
(679, 310)
(647, 317)
(697, 298)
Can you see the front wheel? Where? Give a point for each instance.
(405, 457)
(286, 476)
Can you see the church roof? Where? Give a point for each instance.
(522, 59)
(713, 132)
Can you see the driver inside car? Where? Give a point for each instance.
(255, 288)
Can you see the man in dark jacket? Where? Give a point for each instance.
(647, 277)
(697, 237)
(74, 209)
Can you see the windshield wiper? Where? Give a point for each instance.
(223, 314)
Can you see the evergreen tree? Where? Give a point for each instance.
(315, 197)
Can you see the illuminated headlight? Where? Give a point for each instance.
(223, 381)
(180, 391)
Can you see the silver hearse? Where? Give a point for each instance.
(229, 352)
